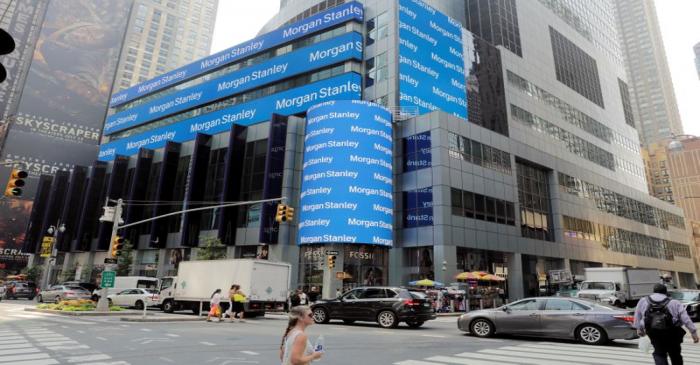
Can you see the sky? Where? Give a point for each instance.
(238, 21)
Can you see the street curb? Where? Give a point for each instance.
(86, 314)
(456, 314)
(163, 319)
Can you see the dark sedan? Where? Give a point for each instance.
(553, 317)
(690, 300)
(387, 306)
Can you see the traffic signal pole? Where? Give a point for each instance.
(103, 303)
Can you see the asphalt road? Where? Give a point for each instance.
(28, 338)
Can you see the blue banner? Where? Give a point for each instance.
(327, 19)
(346, 86)
(431, 62)
(346, 188)
(320, 55)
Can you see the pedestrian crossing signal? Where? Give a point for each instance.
(15, 183)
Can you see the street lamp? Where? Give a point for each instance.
(51, 260)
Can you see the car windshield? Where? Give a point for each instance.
(685, 295)
(151, 291)
(596, 285)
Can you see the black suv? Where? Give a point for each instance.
(385, 305)
(20, 289)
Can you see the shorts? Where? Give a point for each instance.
(237, 307)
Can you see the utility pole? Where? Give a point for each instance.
(103, 303)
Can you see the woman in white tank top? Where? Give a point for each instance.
(296, 348)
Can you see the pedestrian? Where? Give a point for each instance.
(338, 293)
(294, 299)
(239, 299)
(231, 292)
(215, 305)
(313, 294)
(303, 299)
(296, 349)
(662, 319)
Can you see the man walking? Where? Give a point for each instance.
(662, 319)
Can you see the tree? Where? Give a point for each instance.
(125, 259)
(211, 248)
(33, 273)
(69, 274)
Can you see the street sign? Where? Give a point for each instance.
(332, 252)
(108, 279)
(109, 260)
(46, 246)
(108, 215)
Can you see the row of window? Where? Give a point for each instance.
(573, 143)
(608, 201)
(377, 28)
(478, 153)
(321, 6)
(572, 115)
(535, 206)
(620, 240)
(418, 207)
(482, 207)
(377, 69)
(575, 68)
(291, 83)
(246, 62)
(417, 152)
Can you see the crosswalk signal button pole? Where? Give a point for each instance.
(15, 183)
(281, 215)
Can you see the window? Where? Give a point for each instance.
(377, 28)
(252, 181)
(478, 154)
(524, 305)
(575, 68)
(418, 207)
(417, 152)
(533, 196)
(496, 21)
(353, 294)
(377, 69)
(477, 206)
(559, 305)
(373, 293)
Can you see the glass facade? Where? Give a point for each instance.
(214, 187)
(252, 181)
(478, 153)
(611, 202)
(482, 207)
(417, 152)
(620, 240)
(495, 21)
(626, 103)
(535, 204)
(418, 207)
(575, 68)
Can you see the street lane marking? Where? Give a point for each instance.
(172, 335)
(63, 348)
(101, 338)
(15, 346)
(629, 357)
(207, 343)
(166, 359)
(9, 338)
(250, 353)
(455, 360)
(25, 350)
(492, 357)
(522, 355)
(417, 362)
(56, 343)
(24, 357)
(146, 329)
(36, 362)
(84, 358)
(434, 336)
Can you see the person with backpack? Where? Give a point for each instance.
(662, 319)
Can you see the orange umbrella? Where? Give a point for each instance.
(467, 276)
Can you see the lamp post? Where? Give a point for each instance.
(51, 260)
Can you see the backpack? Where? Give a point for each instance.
(657, 317)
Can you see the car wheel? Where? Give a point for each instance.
(320, 315)
(348, 321)
(387, 319)
(168, 306)
(482, 328)
(415, 324)
(39, 299)
(138, 305)
(58, 299)
(591, 334)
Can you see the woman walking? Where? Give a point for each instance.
(229, 311)
(238, 303)
(215, 305)
(296, 348)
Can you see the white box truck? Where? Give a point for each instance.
(619, 286)
(266, 284)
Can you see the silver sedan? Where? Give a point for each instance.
(554, 317)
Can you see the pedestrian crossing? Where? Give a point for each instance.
(31, 344)
(554, 353)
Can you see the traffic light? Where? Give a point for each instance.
(331, 261)
(289, 214)
(15, 183)
(7, 45)
(281, 215)
(117, 245)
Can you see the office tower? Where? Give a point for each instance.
(649, 79)
(163, 35)
(410, 147)
(696, 49)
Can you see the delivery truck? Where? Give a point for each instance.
(619, 286)
(265, 283)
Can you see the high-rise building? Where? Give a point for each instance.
(657, 171)
(696, 49)
(163, 35)
(649, 79)
(410, 146)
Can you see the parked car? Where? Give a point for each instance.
(387, 306)
(20, 289)
(553, 317)
(85, 285)
(57, 293)
(136, 297)
(691, 301)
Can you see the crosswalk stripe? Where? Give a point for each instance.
(499, 358)
(25, 350)
(64, 348)
(416, 362)
(15, 346)
(7, 338)
(56, 343)
(14, 358)
(595, 353)
(85, 358)
(614, 350)
(456, 360)
(36, 362)
(517, 354)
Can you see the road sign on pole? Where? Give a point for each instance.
(108, 279)
(46, 246)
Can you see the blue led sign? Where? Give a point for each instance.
(346, 188)
(346, 86)
(324, 20)
(320, 55)
(431, 62)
